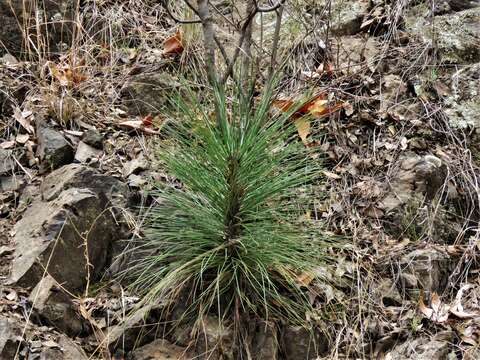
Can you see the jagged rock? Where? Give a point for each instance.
(10, 336)
(301, 343)
(344, 17)
(53, 150)
(135, 165)
(265, 342)
(416, 176)
(215, 341)
(8, 60)
(93, 138)
(354, 52)
(146, 93)
(84, 177)
(10, 183)
(66, 350)
(29, 194)
(53, 235)
(137, 329)
(55, 12)
(398, 104)
(387, 293)
(136, 181)
(347, 16)
(393, 91)
(463, 100)
(86, 153)
(55, 306)
(446, 6)
(160, 350)
(7, 164)
(425, 269)
(455, 36)
(438, 347)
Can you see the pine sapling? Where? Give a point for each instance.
(224, 237)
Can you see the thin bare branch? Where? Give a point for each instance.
(276, 39)
(247, 43)
(222, 50)
(271, 8)
(243, 33)
(191, 7)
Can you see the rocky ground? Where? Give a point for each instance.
(402, 153)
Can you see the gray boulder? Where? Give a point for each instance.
(146, 93)
(84, 177)
(7, 164)
(215, 340)
(439, 347)
(138, 328)
(301, 343)
(160, 350)
(10, 337)
(456, 36)
(347, 16)
(462, 103)
(68, 237)
(426, 269)
(53, 150)
(53, 305)
(66, 350)
(265, 342)
(416, 177)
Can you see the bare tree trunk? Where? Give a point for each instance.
(209, 39)
(247, 42)
(244, 45)
(276, 38)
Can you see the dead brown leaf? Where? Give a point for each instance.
(303, 128)
(138, 125)
(66, 75)
(174, 44)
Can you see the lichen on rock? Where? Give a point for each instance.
(456, 36)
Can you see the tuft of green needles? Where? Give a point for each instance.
(225, 237)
